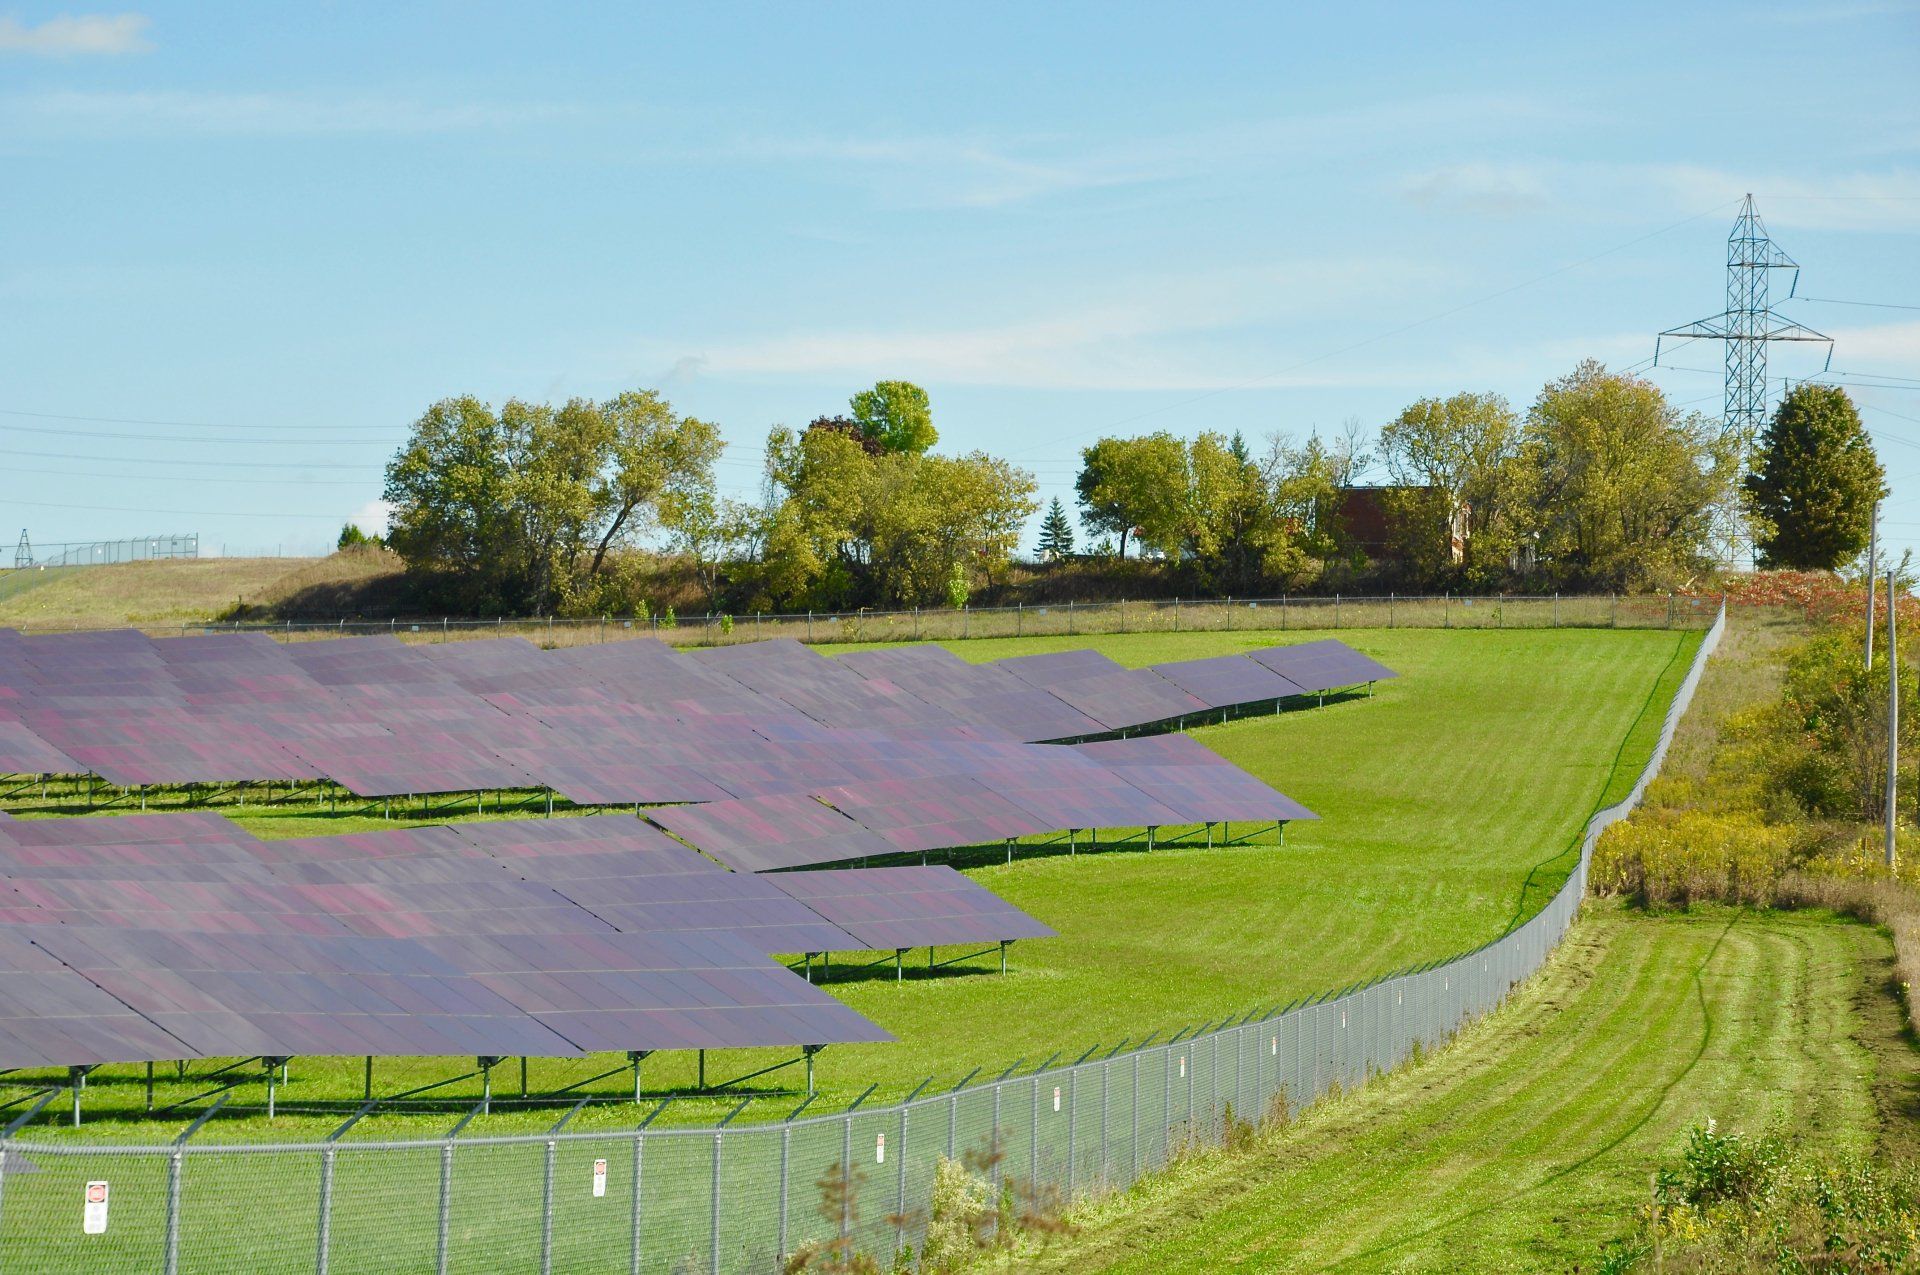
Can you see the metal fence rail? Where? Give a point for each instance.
(1068, 619)
(736, 1199)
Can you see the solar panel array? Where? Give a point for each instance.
(630, 722)
(181, 936)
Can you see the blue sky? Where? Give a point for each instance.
(249, 244)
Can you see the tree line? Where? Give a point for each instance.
(1600, 483)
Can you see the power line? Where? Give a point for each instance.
(183, 513)
(1876, 305)
(217, 464)
(198, 442)
(137, 420)
(245, 482)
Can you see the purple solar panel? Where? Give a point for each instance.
(1151, 750)
(1084, 796)
(1322, 665)
(1215, 794)
(660, 991)
(199, 907)
(742, 903)
(1113, 696)
(932, 813)
(242, 995)
(22, 752)
(909, 907)
(53, 1016)
(760, 833)
(1227, 680)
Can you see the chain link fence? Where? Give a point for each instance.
(675, 1201)
(1067, 619)
(100, 553)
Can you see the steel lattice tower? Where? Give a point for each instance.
(1748, 323)
(23, 552)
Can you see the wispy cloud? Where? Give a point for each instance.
(95, 35)
(203, 114)
(1197, 332)
(1495, 190)
(979, 171)
(1861, 199)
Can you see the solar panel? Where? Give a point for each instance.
(1226, 680)
(909, 907)
(742, 903)
(1322, 665)
(656, 991)
(932, 813)
(22, 752)
(242, 995)
(760, 833)
(1151, 750)
(53, 1016)
(1215, 794)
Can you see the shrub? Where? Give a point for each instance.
(1678, 856)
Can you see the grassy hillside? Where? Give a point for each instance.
(1524, 1146)
(137, 593)
(1449, 802)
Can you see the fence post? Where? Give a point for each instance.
(446, 1205)
(786, 1156)
(176, 1168)
(1613, 610)
(1019, 618)
(1033, 1136)
(1133, 1110)
(1556, 608)
(1073, 1089)
(900, 1185)
(1389, 609)
(326, 1211)
(640, 1160)
(1336, 610)
(714, 1212)
(546, 1216)
(846, 1169)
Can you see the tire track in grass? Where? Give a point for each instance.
(1660, 1100)
(1640, 1027)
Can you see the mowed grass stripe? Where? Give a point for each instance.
(1526, 1144)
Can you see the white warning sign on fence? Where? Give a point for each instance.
(1183, 1066)
(880, 1149)
(94, 1220)
(599, 1177)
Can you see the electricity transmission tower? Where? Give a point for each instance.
(23, 552)
(1746, 326)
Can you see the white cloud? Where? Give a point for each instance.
(162, 114)
(85, 35)
(372, 517)
(975, 171)
(1850, 200)
(1496, 190)
(1894, 347)
(1181, 333)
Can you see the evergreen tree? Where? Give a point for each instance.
(1056, 533)
(1813, 491)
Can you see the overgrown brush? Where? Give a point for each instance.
(1740, 1204)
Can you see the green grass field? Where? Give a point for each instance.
(1450, 807)
(1526, 1144)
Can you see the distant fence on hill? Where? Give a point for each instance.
(1067, 619)
(726, 1200)
(101, 553)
